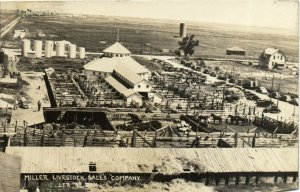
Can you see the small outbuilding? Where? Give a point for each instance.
(235, 51)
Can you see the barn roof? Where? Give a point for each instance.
(108, 64)
(143, 160)
(117, 48)
(128, 74)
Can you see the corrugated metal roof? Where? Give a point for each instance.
(117, 48)
(143, 160)
(128, 74)
(108, 64)
(119, 87)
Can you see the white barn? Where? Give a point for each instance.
(114, 56)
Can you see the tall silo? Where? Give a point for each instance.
(48, 49)
(81, 52)
(60, 48)
(72, 51)
(37, 47)
(25, 47)
(182, 30)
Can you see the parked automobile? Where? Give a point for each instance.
(264, 103)
(262, 90)
(275, 95)
(213, 74)
(295, 101)
(272, 109)
(23, 103)
(286, 98)
(206, 71)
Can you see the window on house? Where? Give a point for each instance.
(147, 86)
(94, 73)
(281, 57)
(274, 57)
(139, 86)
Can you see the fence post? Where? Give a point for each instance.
(16, 126)
(133, 142)
(236, 139)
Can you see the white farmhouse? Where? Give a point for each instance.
(272, 58)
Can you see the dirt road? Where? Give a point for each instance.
(32, 115)
(9, 26)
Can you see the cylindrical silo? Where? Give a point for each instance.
(81, 52)
(37, 47)
(72, 51)
(25, 47)
(60, 48)
(48, 49)
(182, 30)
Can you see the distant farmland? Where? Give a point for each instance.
(6, 17)
(136, 33)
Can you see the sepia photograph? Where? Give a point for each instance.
(149, 95)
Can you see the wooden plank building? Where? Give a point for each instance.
(207, 165)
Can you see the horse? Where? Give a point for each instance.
(216, 117)
(232, 119)
(242, 119)
(204, 117)
(237, 119)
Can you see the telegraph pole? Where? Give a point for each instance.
(278, 91)
(272, 82)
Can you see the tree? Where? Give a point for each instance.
(217, 69)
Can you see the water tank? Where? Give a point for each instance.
(48, 49)
(81, 52)
(72, 51)
(182, 30)
(25, 47)
(37, 47)
(60, 48)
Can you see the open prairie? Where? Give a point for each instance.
(150, 36)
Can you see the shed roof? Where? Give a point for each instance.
(119, 87)
(235, 49)
(143, 160)
(130, 75)
(108, 64)
(117, 48)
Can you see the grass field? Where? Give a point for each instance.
(136, 33)
(6, 16)
(288, 83)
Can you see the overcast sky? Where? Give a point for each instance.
(268, 13)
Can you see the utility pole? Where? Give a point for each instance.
(278, 91)
(272, 82)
